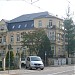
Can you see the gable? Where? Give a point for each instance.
(3, 25)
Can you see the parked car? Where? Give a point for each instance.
(34, 62)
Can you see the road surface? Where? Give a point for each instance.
(60, 70)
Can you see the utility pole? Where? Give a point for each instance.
(9, 48)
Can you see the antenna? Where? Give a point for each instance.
(68, 12)
(33, 1)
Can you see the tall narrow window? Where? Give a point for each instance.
(58, 35)
(18, 37)
(4, 39)
(52, 35)
(12, 38)
(53, 49)
(59, 24)
(40, 24)
(50, 23)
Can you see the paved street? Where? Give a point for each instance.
(61, 70)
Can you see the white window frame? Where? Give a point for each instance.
(50, 23)
(40, 23)
(18, 37)
(12, 38)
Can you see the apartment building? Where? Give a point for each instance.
(3, 38)
(25, 23)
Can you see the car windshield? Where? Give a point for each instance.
(35, 59)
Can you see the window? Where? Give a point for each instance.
(53, 49)
(52, 35)
(12, 38)
(2, 27)
(50, 23)
(25, 25)
(58, 36)
(13, 27)
(4, 39)
(32, 25)
(40, 24)
(19, 26)
(18, 37)
(59, 24)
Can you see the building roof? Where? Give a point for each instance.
(21, 25)
(25, 22)
(32, 16)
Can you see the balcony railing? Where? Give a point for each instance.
(51, 27)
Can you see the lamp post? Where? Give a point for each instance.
(45, 57)
(3, 53)
(24, 53)
(9, 49)
(20, 58)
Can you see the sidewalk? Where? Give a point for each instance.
(16, 72)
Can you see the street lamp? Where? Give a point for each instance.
(3, 54)
(24, 53)
(9, 48)
(45, 57)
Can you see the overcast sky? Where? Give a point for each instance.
(10, 9)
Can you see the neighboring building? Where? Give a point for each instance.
(3, 38)
(25, 23)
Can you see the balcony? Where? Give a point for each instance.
(51, 27)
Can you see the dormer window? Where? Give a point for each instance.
(25, 25)
(32, 25)
(13, 27)
(19, 26)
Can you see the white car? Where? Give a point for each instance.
(34, 62)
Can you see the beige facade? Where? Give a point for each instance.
(52, 26)
(3, 38)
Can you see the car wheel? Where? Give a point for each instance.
(42, 68)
